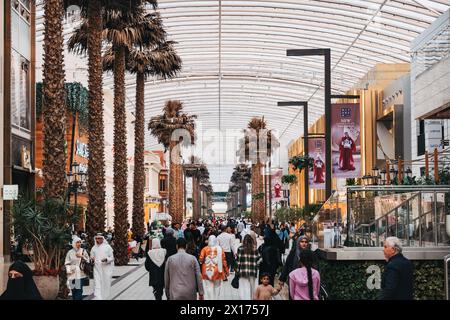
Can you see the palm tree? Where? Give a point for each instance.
(257, 147)
(207, 193)
(199, 174)
(233, 191)
(53, 106)
(162, 127)
(124, 29)
(160, 61)
(90, 39)
(241, 176)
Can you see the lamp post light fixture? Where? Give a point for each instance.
(376, 175)
(383, 176)
(76, 180)
(393, 174)
(408, 173)
(366, 180)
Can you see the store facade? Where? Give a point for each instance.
(2, 89)
(152, 198)
(77, 149)
(19, 103)
(430, 85)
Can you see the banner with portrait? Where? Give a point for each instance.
(276, 187)
(316, 150)
(346, 140)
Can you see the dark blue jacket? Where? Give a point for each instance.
(397, 280)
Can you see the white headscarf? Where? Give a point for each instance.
(212, 243)
(75, 239)
(157, 254)
(99, 235)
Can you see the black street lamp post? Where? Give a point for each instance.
(303, 104)
(326, 53)
(76, 180)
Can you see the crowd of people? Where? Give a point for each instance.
(192, 260)
(201, 255)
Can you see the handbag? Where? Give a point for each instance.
(235, 281)
(87, 268)
(84, 282)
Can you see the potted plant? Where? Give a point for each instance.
(301, 162)
(46, 225)
(289, 178)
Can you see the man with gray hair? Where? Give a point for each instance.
(397, 280)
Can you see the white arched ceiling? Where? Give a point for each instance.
(235, 64)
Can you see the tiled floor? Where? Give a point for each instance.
(135, 287)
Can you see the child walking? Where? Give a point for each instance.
(265, 291)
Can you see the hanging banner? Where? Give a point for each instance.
(316, 147)
(276, 188)
(346, 141)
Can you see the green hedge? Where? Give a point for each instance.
(347, 280)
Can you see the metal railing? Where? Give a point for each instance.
(446, 260)
(399, 221)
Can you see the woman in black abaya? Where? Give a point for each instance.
(20, 285)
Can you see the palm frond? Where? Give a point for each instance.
(161, 61)
(249, 146)
(173, 118)
(78, 42)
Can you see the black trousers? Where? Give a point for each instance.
(158, 292)
(230, 260)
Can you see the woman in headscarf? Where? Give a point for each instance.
(102, 255)
(76, 276)
(155, 265)
(214, 268)
(270, 254)
(293, 259)
(20, 285)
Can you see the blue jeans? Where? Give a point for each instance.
(77, 294)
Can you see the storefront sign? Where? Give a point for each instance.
(346, 141)
(162, 216)
(10, 192)
(82, 149)
(316, 149)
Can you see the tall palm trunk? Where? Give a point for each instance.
(54, 112)
(195, 198)
(95, 220)
(139, 174)
(243, 196)
(258, 211)
(120, 161)
(54, 108)
(175, 183)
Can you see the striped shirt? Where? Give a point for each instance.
(247, 264)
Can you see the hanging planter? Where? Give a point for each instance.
(289, 178)
(258, 196)
(301, 162)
